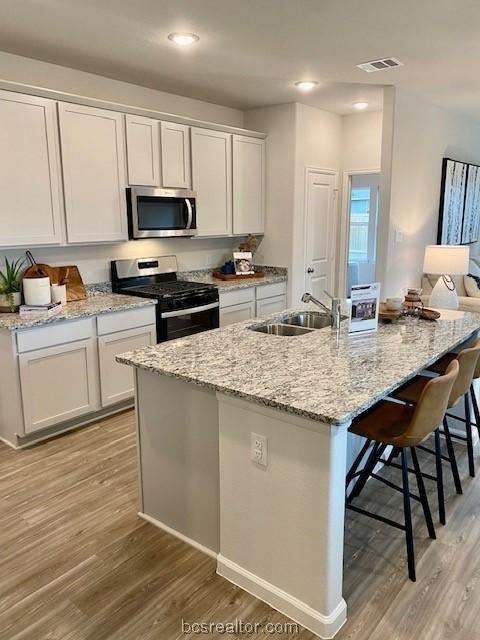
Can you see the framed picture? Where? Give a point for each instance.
(364, 308)
(471, 213)
(452, 201)
(243, 262)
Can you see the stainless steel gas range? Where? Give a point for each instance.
(183, 308)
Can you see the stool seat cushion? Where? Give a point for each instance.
(411, 391)
(440, 366)
(387, 423)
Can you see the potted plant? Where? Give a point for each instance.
(10, 296)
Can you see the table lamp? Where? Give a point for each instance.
(443, 259)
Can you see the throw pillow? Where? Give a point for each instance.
(472, 284)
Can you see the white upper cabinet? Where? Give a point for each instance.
(212, 180)
(30, 185)
(94, 173)
(175, 154)
(248, 185)
(143, 150)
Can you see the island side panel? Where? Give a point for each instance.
(178, 458)
(282, 526)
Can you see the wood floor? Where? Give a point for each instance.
(76, 563)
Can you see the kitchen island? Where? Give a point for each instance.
(243, 446)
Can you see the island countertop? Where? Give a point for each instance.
(319, 375)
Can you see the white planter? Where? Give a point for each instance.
(9, 302)
(36, 291)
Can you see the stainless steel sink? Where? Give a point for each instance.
(276, 329)
(309, 319)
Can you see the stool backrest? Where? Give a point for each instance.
(468, 360)
(432, 405)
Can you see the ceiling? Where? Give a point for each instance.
(251, 51)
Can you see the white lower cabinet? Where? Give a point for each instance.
(237, 313)
(58, 383)
(271, 305)
(116, 380)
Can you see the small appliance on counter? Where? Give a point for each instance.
(161, 213)
(183, 308)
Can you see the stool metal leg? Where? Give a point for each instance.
(439, 470)
(358, 459)
(475, 408)
(451, 455)
(408, 518)
(423, 495)
(468, 429)
(376, 452)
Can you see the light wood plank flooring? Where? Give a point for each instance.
(76, 563)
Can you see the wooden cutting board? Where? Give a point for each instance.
(75, 287)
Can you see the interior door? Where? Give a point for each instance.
(320, 200)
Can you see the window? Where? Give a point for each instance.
(359, 224)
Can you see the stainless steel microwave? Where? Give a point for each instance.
(161, 213)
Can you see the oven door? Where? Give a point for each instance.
(161, 213)
(186, 322)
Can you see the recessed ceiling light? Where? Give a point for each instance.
(306, 85)
(183, 39)
(360, 105)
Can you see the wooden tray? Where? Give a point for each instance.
(429, 314)
(233, 276)
(75, 287)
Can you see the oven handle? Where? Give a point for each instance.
(186, 312)
(190, 213)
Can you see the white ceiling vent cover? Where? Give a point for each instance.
(380, 65)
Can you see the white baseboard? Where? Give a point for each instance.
(177, 534)
(323, 625)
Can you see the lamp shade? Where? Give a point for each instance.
(446, 259)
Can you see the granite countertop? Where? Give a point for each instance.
(94, 305)
(272, 275)
(319, 375)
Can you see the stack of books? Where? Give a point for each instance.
(35, 311)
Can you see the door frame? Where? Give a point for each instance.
(344, 224)
(309, 169)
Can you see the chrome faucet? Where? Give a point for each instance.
(334, 312)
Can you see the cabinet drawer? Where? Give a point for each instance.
(237, 313)
(238, 296)
(123, 320)
(54, 334)
(270, 290)
(267, 306)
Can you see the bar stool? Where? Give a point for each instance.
(410, 393)
(440, 367)
(404, 427)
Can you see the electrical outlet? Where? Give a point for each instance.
(209, 260)
(258, 449)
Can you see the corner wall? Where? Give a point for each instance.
(422, 135)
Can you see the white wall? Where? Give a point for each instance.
(422, 135)
(362, 141)
(94, 260)
(279, 122)
(51, 76)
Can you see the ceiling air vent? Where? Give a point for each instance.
(380, 65)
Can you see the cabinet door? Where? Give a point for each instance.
(93, 155)
(248, 185)
(175, 152)
(237, 313)
(116, 380)
(212, 180)
(271, 305)
(143, 151)
(50, 393)
(30, 183)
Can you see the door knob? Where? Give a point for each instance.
(310, 270)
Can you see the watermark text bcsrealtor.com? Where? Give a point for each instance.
(239, 627)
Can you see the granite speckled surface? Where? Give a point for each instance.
(272, 275)
(94, 305)
(320, 375)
